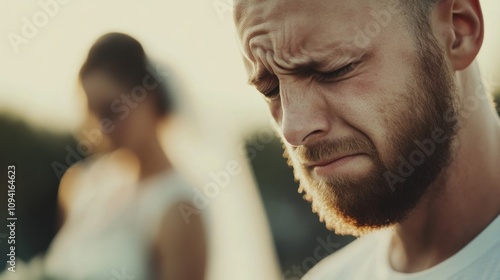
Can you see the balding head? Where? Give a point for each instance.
(416, 11)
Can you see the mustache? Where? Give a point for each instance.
(327, 149)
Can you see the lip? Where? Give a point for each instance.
(326, 166)
(324, 163)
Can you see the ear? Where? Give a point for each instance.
(464, 20)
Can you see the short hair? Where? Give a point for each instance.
(123, 57)
(418, 14)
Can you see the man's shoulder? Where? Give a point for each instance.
(350, 260)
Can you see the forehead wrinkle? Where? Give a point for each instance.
(288, 52)
(254, 18)
(293, 63)
(325, 58)
(294, 50)
(255, 42)
(292, 54)
(254, 37)
(262, 71)
(256, 21)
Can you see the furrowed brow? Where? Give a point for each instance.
(263, 75)
(258, 77)
(261, 81)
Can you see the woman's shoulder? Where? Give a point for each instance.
(170, 194)
(97, 176)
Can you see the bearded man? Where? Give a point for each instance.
(389, 129)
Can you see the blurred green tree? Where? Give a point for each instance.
(32, 151)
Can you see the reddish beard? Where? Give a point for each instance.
(357, 205)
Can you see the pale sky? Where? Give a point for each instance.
(39, 81)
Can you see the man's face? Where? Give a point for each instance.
(353, 97)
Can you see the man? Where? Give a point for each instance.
(388, 127)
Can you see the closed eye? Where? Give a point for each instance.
(273, 95)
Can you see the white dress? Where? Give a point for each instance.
(113, 243)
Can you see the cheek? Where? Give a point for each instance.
(368, 105)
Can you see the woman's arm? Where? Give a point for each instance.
(65, 192)
(180, 247)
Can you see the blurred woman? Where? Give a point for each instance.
(127, 213)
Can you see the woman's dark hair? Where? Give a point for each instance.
(123, 57)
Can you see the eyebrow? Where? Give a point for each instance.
(258, 77)
(313, 63)
(262, 74)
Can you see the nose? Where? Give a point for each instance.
(305, 117)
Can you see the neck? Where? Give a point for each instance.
(464, 199)
(152, 159)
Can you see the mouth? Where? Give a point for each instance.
(324, 167)
(326, 162)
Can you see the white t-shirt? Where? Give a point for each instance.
(367, 258)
